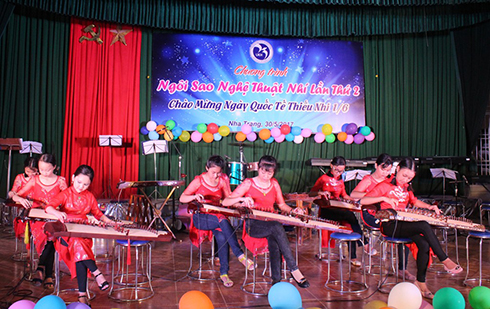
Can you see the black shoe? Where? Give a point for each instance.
(302, 283)
(104, 286)
(275, 281)
(84, 300)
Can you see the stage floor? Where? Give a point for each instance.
(170, 264)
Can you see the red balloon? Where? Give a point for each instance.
(285, 129)
(213, 128)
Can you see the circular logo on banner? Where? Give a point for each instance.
(261, 51)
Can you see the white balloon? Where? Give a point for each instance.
(298, 139)
(151, 125)
(405, 295)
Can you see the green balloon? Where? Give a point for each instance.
(479, 297)
(448, 298)
(202, 127)
(330, 138)
(170, 124)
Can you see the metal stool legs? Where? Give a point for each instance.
(468, 281)
(202, 274)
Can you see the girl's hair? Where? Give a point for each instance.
(31, 163)
(85, 170)
(338, 161)
(217, 161)
(268, 163)
(48, 158)
(408, 163)
(384, 160)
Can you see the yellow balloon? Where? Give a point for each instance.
(224, 130)
(168, 135)
(185, 136)
(327, 129)
(375, 304)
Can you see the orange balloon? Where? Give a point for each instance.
(264, 134)
(207, 137)
(195, 300)
(240, 136)
(161, 129)
(342, 136)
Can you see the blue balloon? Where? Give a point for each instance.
(344, 127)
(177, 131)
(50, 302)
(153, 135)
(217, 137)
(296, 130)
(284, 295)
(289, 137)
(269, 140)
(144, 130)
(319, 128)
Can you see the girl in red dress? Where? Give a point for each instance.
(397, 194)
(75, 203)
(30, 170)
(212, 187)
(262, 192)
(41, 189)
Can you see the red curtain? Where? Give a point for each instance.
(102, 99)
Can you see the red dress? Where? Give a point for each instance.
(212, 195)
(328, 183)
(76, 206)
(390, 190)
(41, 195)
(19, 225)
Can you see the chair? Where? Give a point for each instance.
(373, 234)
(481, 236)
(484, 207)
(133, 284)
(257, 246)
(57, 280)
(197, 237)
(341, 285)
(392, 242)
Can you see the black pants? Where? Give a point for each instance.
(337, 214)
(46, 260)
(422, 235)
(81, 269)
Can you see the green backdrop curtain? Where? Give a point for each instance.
(33, 64)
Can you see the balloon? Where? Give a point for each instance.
(327, 129)
(306, 132)
(298, 139)
(252, 136)
(375, 304)
(359, 138)
(50, 302)
(344, 127)
(217, 137)
(349, 140)
(177, 131)
(479, 297)
(285, 129)
(296, 130)
(151, 125)
(168, 135)
(240, 136)
(170, 124)
(319, 128)
(330, 138)
(351, 129)
(448, 298)
(224, 131)
(144, 130)
(185, 136)
(207, 137)
(213, 128)
(365, 130)
(284, 295)
(196, 136)
(23, 304)
(201, 128)
(342, 136)
(77, 306)
(246, 129)
(195, 300)
(319, 137)
(264, 134)
(405, 295)
(153, 135)
(289, 137)
(269, 140)
(160, 129)
(370, 137)
(280, 138)
(275, 132)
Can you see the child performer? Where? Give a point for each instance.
(75, 203)
(30, 170)
(397, 194)
(211, 187)
(329, 186)
(262, 192)
(41, 189)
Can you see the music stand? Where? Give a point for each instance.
(10, 144)
(154, 147)
(110, 141)
(31, 147)
(443, 173)
(355, 174)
